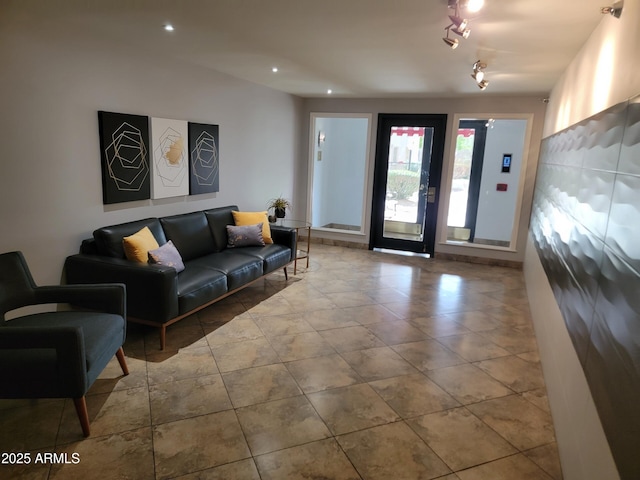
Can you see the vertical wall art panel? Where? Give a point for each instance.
(124, 153)
(169, 173)
(204, 167)
(586, 227)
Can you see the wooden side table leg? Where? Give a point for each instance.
(308, 245)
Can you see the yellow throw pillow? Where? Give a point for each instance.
(137, 246)
(253, 218)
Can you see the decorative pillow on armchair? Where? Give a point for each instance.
(245, 236)
(167, 255)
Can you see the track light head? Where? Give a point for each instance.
(483, 84)
(463, 33)
(460, 23)
(615, 10)
(478, 76)
(452, 42)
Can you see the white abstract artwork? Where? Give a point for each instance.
(170, 164)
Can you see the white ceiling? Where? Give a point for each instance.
(357, 48)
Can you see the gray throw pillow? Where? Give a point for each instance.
(167, 255)
(245, 236)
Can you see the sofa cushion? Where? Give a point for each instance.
(251, 218)
(109, 239)
(137, 246)
(239, 268)
(218, 219)
(198, 285)
(273, 256)
(167, 255)
(245, 236)
(190, 234)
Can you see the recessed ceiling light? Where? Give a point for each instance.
(168, 27)
(329, 92)
(274, 69)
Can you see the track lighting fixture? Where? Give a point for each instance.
(452, 42)
(478, 74)
(460, 25)
(614, 10)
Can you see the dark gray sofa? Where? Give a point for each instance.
(159, 296)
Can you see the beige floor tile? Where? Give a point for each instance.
(281, 424)
(221, 312)
(407, 309)
(539, 398)
(30, 424)
(171, 366)
(351, 338)
(517, 374)
(391, 451)
(352, 408)
(547, 458)
(460, 439)
(239, 329)
(198, 443)
(427, 355)
(323, 459)
(517, 420)
(290, 324)
(513, 339)
(115, 412)
(468, 384)
(301, 346)
(188, 398)
(247, 354)
(322, 373)
(475, 320)
(439, 326)
(369, 314)
(350, 299)
(510, 468)
(413, 395)
(260, 384)
(113, 457)
(240, 470)
(332, 318)
(378, 363)
(112, 378)
(473, 347)
(275, 305)
(394, 333)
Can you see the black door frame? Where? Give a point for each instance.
(475, 176)
(385, 121)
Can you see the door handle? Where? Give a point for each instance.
(431, 194)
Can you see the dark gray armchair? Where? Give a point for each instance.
(57, 354)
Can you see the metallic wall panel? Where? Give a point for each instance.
(585, 224)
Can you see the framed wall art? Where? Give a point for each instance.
(124, 155)
(204, 166)
(170, 167)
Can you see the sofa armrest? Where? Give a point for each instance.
(152, 290)
(285, 236)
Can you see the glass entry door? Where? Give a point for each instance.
(406, 181)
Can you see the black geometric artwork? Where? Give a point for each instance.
(204, 167)
(124, 153)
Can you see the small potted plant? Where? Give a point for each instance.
(279, 206)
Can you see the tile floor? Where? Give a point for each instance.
(367, 365)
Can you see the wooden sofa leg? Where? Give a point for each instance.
(122, 361)
(163, 337)
(83, 414)
(286, 275)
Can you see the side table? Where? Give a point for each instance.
(297, 225)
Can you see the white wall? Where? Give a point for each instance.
(53, 82)
(604, 73)
(496, 209)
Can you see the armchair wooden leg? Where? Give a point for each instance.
(286, 275)
(122, 361)
(83, 414)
